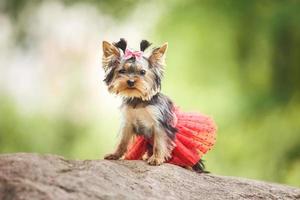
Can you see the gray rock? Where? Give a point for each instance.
(34, 176)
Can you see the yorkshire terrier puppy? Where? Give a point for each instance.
(147, 113)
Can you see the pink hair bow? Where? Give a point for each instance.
(136, 54)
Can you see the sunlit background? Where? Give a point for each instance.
(238, 61)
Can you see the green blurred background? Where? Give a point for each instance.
(238, 61)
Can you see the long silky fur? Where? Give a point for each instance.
(144, 45)
(121, 44)
(164, 113)
(152, 114)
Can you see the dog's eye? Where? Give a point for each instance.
(142, 72)
(122, 71)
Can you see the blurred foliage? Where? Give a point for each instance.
(37, 132)
(117, 8)
(238, 61)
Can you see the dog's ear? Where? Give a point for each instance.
(110, 50)
(110, 55)
(157, 58)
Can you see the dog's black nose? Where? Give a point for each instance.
(130, 83)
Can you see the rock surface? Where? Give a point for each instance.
(34, 176)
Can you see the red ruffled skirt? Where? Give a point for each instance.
(196, 134)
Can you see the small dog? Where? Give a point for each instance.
(146, 112)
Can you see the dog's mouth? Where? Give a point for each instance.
(136, 89)
(133, 90)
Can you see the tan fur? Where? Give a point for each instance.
(162, 145)
(143, 86)
(109, 49)
(126, 137)
(143, 89)
(109, 52)
(158, 55)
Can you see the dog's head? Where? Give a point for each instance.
(132, 74)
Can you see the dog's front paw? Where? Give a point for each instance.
(145, 157)
(111, 156)
(155, 161)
